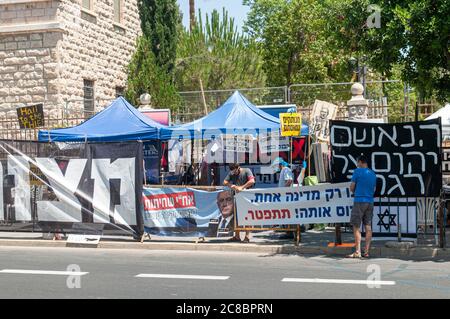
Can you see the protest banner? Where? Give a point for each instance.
(237, 143)
(322, 113)
(273, 142)
(331, 203)
(188, 211)
(406, 157)
(152, 161)
(49, 186)
(291, 124)
(31, 116)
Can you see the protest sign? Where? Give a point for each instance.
(406, 157)
(331, 203)
(31, 116)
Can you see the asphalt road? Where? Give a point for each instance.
(105, 273)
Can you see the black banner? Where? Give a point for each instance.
(31, 116)
(406, 157)
(71, 187)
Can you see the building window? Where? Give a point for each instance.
(120, 91)
(88, 99)
(87, 4)
(118, 11)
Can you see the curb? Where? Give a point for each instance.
(376, 252)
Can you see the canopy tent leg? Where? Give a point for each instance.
(144, 236)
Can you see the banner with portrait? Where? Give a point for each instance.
(322, 113)
(188, 212)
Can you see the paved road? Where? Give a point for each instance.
(105, 273)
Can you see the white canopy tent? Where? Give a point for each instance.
(444, 114)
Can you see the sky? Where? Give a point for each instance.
(234, 7)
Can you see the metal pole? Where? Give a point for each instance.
(442, 223)
(287, 94)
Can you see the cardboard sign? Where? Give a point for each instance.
(322, 113)
(237, 143)
(291, 124)
(83, 240)
(31, 116)
(37, 178)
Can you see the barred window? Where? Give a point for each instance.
(88, 100)
(87, 4)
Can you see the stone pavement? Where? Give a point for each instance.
(269, 242)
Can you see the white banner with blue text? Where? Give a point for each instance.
(321, 204)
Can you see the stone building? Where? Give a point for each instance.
(68, 54)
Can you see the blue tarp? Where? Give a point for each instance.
(236, 116)
(118, 122)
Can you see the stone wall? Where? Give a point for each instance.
(28, 12)
(28, 70)
(49, 65)
(97, 49)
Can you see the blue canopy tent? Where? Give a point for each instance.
(236, 116)
(118, 122)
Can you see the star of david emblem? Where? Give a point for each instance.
(391, 218)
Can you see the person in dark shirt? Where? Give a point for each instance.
(239, 179)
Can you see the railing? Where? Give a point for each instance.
(72, 112)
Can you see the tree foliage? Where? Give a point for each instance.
(313, 41)
(294, 40)
(160, 22)
(416, 35)
(219, 55)
(145, 76)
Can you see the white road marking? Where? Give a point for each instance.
(171, 276)
(42, 272)
(339, 281)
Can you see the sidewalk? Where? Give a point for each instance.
(312, 243)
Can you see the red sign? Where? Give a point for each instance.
(159, 116)
(169, 201)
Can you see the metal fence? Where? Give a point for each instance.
(72, 112)
(193, 105)
(303, 95)
(67, 114)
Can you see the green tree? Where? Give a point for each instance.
(413, 37)
(160, 22)
(146, 76)
(218, 55)
(416, 35)
(292, 35)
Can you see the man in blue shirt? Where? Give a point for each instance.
(363, 187)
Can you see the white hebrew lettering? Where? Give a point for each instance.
(398, 185)
(422, 157)
(68, 207)
(436, 128)
(123, 169)
(391, 138)
(412, 143)
(349, 134)
(358, 141)
(19, 167)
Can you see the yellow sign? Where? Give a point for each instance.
(31, 116)
(291, 124)
(37, 178)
